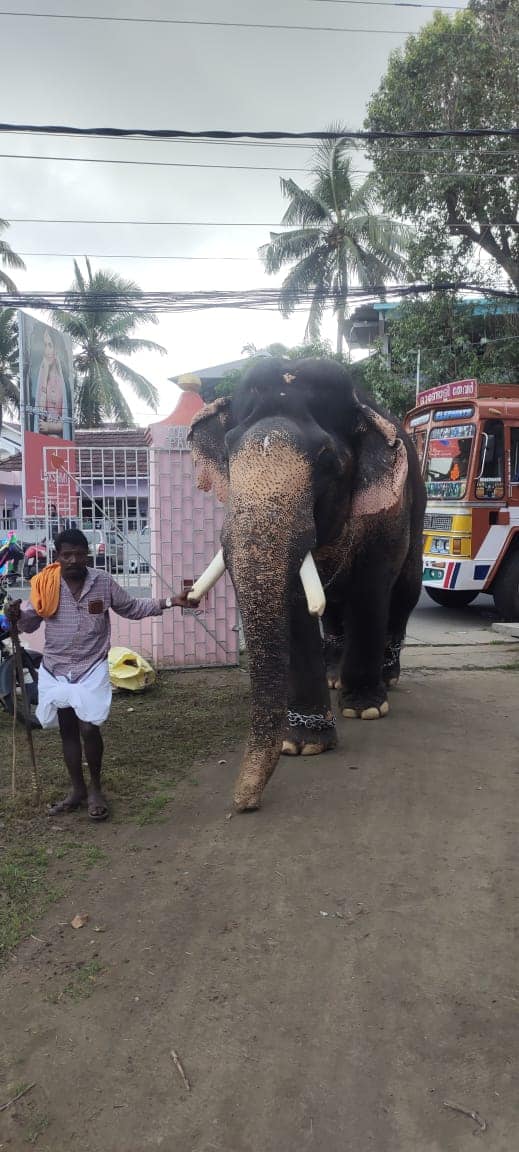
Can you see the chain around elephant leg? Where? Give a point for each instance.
(391, 665)
(309, 734)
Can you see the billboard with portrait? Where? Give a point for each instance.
(47, 416)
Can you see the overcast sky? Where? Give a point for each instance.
(164, 76)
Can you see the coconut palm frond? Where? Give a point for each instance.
(317, 307)
(142, 387)
(9, 367)
(287, 246)
(9, 259)
(125, 345)
(305, 208)
(305, 277)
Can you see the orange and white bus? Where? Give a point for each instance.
(467, 438)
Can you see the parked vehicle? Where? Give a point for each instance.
(11, 555)
(467, 437)
(105, 548)
(31, 662)
(138, 550)
(34, 559)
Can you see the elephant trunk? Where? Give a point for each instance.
(263, 599)
(268, 532)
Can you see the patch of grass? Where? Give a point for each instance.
(185, 718)
(26, 889)
(151, 811)
(37, 1126)
(82, 984)
(24, 892)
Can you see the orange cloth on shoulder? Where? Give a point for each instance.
(45, 588)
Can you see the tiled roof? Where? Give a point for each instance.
(111, 436)
(12, 463)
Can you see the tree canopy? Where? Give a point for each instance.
(458, 72)
(100, 335)
(457, 340)
(335, 237)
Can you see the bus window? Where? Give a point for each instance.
(419, 438)
(448, 459)
(490, 474)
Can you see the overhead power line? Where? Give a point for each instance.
(237, 142)
(151, 163)
(219, 223)
(177, 22)
(133, 256)
(392, 4)
(224, 135)
(149, 223)
(462, 173)
(252, 299)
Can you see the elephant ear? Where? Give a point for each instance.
(382, 465)
(207, 439)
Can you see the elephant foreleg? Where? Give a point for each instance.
(310, 727)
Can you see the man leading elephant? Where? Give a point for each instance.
(73, 684)
(325, 503)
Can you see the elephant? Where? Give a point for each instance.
(325, 507)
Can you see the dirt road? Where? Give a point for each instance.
(329, 970)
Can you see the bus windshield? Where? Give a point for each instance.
(448, 459)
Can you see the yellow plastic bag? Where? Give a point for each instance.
(129, 670)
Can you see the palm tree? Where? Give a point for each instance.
(100, 333)
(9, 367)
(336, 239)
(9, 259)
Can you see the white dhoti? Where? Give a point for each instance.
(90, 697)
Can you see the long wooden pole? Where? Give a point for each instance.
(18, 659)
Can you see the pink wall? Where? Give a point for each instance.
(185, 534)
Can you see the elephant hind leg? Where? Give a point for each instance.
(363, 694)
(404, 598)
(364, 703)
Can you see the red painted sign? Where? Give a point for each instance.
(456, 390)
(50, 486)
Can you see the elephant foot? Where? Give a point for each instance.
(306, 739)
(364, 705)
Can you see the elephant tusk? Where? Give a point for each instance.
(208, 578)
(311, 582)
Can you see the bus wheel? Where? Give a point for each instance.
(506, 588)
(449, 599)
